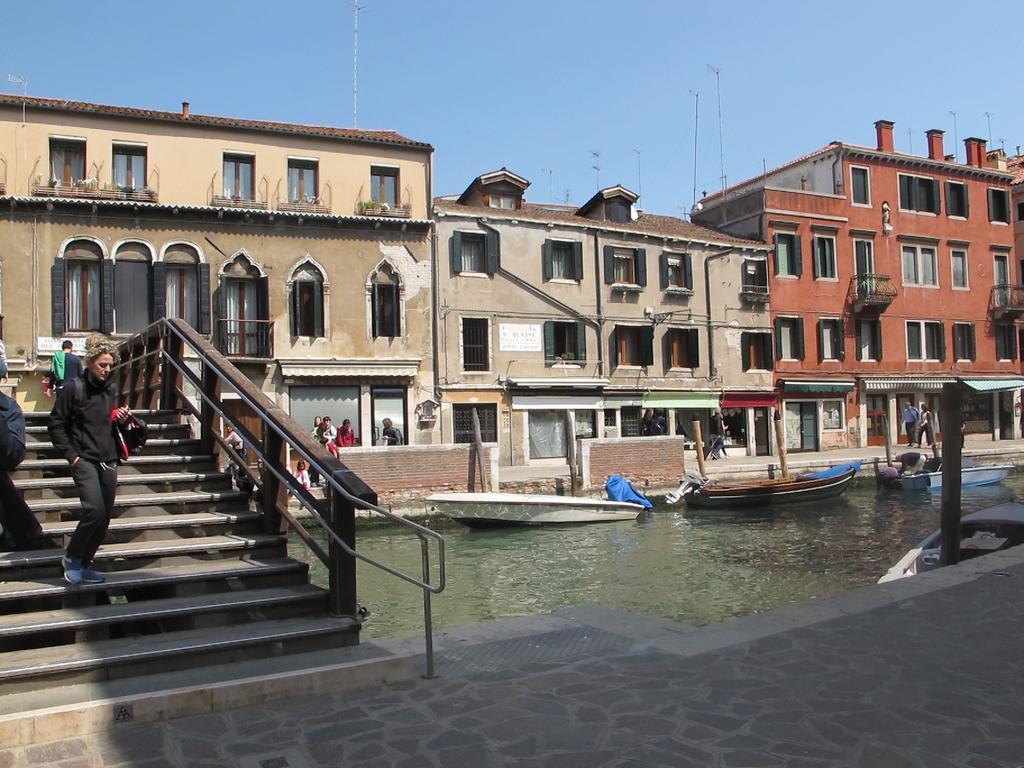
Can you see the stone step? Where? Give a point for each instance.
(304, 596)
(252, 570)
(108, 659)
(136, 464)
(128, 528)
(166, 501)
(153, 446)
(123, 480)
(35, 418)
(40, 433)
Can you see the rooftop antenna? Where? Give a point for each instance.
(568, 194)
(956, 138)
(24, 91)
(639, 186)
(356, 8)
(696, 111)
(551, 183)
(988, 116)
(721, 135)
(910, 141)
(596, 155)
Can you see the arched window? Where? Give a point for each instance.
(245, 328)
(182, 287)
(307, 301)
(385, 303)
(82, 286)
(133, 290)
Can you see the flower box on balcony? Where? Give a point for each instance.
(304, 206)
(678, 290)
(237, 202)
(627, 287)
(372, 208)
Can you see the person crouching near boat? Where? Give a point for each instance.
(81, 427)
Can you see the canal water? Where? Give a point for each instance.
(696, 567)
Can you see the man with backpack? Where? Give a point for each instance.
(66, 367)
(18, 526)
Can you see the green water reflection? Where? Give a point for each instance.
(697, 568)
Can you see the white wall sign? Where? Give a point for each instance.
(520, 338)
(51, 344)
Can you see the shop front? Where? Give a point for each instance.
(680, 409)
(815, 414)
(748, 419)
(546, 423)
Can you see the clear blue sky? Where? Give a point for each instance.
(536, 85)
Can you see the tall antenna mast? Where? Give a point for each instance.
(721, 134)
(24, 93)
(596, 155)
(988, 116)
(356, 8)
(551, 183)
(639, 185)
(696, 111)
(956, 138)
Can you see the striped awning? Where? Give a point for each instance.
(826, 387)
(907, 383)
(681, 400)
(993, 385)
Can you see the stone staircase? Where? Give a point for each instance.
(194, 577)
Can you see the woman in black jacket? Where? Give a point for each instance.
(82, 426)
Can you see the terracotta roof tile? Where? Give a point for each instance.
(1015, 165)
(321, 131)
(647, 223)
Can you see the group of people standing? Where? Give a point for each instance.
(334, 439)
(919, 425)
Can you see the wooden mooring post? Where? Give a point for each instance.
(952, 462)
(780, 444)
(888, 441)
(698, 438)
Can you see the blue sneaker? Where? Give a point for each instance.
(72, 571)
(89, 576)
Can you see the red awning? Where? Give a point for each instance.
(749, 399)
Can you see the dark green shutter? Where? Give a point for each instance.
(222, 314)
(688, 271)
(107, 296)
(58, 297)
(775, 255)
(455, 252)
(545, 259)
(970, 343)
(549, 341)
(859, 337)
(318, 310)
(840, 337)
(158, 306)
(609, 264)
(769, 356)
(821, 341)
(492, 250)
(942, 341)
(614, 338)
(641, 266)
(815, 256)
(936, 197)
(646, 346)
(581, 341)
(1012, 336)
(798, 259)
(876, 330)
(663, 268)
(693, 346)
(577, 259)
(778, 335)
(745, 350)
(204, 298)
(293, 310)
(799, 353)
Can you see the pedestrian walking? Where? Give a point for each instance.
(717, 428)
(314, 475)
(391, 434)
(910, 418)
(925, 428)
(66, 367)
(19, 528)
(82, 426)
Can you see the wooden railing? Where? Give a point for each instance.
(222, 201)
(246, 338)
(170, 366)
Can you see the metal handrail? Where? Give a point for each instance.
(328, 466)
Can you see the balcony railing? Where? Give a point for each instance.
(246, 338)
(309, 205)
(223, 201)
(872, 291)
(3, 188)
(367, 208)
(1007, 300)
(93, 191)
(755, 292)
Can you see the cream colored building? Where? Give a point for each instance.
(555, 320)
(303, 251)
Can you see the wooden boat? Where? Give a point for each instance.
(483, 510)
(697, 491)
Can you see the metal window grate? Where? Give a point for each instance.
(474, 345)
(463, 420)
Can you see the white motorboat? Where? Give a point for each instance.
(481, 510)
(987, 530)
(970, 477)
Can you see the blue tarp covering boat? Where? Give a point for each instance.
(620, 489)
(836, 471)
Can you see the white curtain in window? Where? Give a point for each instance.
(472, 255)
(181, 294)
(83, 295)
(547, 434)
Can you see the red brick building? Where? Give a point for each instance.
(892, 274)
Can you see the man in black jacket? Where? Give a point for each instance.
(82, 428)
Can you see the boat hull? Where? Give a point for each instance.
(740, 495)
(970, 477)
(488, 510)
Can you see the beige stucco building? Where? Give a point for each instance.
(303, 251)
(554, 319)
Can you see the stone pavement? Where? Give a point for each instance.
(922, 673)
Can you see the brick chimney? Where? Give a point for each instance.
(935, 150)
(883, 130)
(184, 109)
(975, 151)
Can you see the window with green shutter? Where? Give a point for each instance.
(564, 342)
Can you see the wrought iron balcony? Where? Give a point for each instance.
(1007, 300)
(307, 205)
(371, 208)
(91, 190)
(871, 291)
(756, 293)
(246, 338)
(221, 201)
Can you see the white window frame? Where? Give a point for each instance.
(624, 253)
(867, 174)
(841, 338)
(967, 199)
(921, 324)
(871, 248)
(842, 414)
(795, 234)
(462, 346)
(835, 260)
(792, 339)
(919, 262)
(996, 255)
(1009, 208)
(899, 198)
(952, 273)
(867, 324)
(964, 359)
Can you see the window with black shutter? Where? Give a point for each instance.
(133, 289)
(307, 302)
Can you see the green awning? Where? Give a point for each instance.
(681, 399)
(823, 387)
(993, 385)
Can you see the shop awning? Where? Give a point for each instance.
(749, 399)
(993, 385)
(560, 382)
(906, 382)
(824, 387)
(347, 370)
(557, 402)
(680, 400)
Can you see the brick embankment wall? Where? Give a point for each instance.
(644, 461)
(403, 475)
